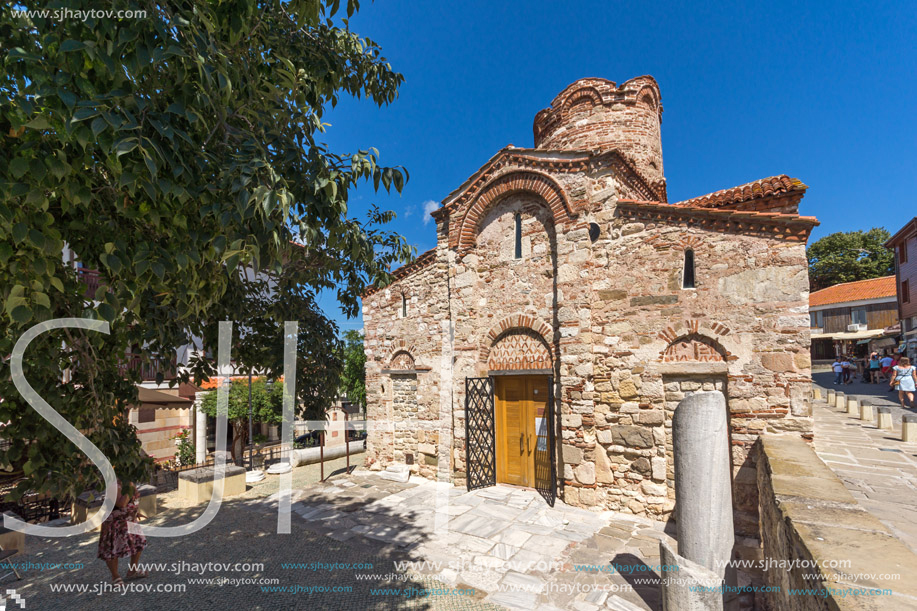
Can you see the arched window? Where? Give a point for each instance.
(404, 306)
(518, 221)
(687, 281)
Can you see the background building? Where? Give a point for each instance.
(853, 318)
(904, 243)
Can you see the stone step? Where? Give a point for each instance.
(396, 473)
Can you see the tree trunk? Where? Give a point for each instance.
(238, 442)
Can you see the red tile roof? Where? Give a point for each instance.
(854, 291)
(765, 187)
(787, 226)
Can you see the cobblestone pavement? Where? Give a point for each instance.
(506, 547)
(878, 469)
(877, 394)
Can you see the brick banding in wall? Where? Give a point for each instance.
(512, 159)
(420, 262)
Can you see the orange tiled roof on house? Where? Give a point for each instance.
(758, 189)
(875, 288)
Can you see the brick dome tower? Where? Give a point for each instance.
(595, 114)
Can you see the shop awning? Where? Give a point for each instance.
(851, 336)
(161, 399)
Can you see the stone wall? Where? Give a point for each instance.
(404, 405)
(808, 516)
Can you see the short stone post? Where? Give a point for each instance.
(840, 400)
(885, 418)
(692, 588)
(853, 406)
(866, 411)
(909, 428)
(816, 393)
(831, 394)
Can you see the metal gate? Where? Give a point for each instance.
(545, 452)
(480, 437)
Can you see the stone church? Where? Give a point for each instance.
(568, 307)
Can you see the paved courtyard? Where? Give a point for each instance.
(416, 545)
(878, 469)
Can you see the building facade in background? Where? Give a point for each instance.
(904, 243)
(854, 319)
(567, 308)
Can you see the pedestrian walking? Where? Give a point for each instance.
(874, 366)
(904, 381)
(886, 363)
(847, 368)
(116, 542)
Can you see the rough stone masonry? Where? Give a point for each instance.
(568, 258)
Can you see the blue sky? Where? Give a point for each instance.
(824, 92)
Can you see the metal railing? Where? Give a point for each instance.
(92, 279)
(149, 368)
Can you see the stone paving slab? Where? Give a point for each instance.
(878, 469)
(507, 543)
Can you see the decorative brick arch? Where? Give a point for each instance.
(695, 341)
(576, 96)
(519, 341)
(650, 94)
(518, 181)
(401, 353)
(402, 361)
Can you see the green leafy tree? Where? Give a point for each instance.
(267, 407)
(847, 256)
(353, 376)
(172, 152)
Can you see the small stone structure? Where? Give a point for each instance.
(80, 509)
(567, 260)
(196, 485)
(11, 539)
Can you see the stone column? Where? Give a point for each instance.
(703, 480)
(200, 433)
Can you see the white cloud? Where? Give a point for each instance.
(428, 207)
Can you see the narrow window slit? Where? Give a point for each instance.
(688, 274)
(518, 220)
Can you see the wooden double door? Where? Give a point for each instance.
(520, 426)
